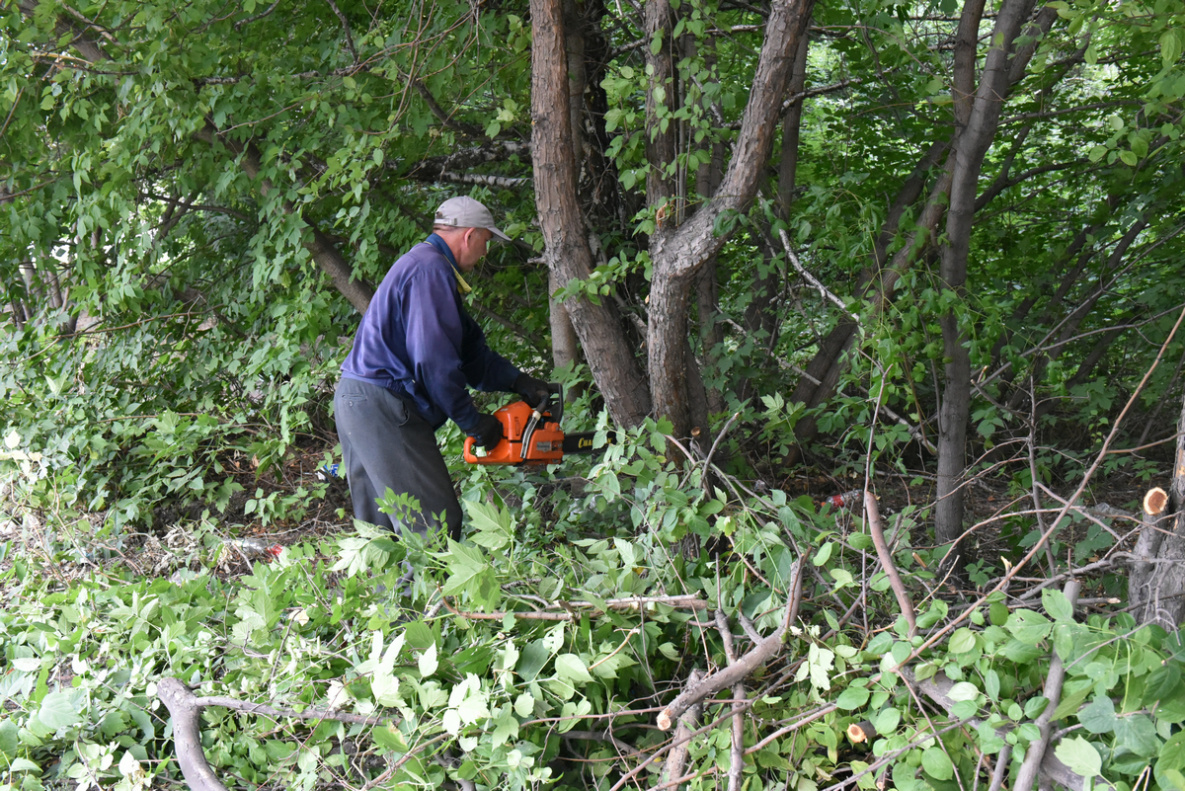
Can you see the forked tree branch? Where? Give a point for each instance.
(739, 670)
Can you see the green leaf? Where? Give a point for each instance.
(1057, 605)
(1162, 683)
(852, 698)
(1028, 626)
(491, 527)
(427, 662)
(963, 690)
(937, 763)
(385, 689)
(464, 563)
(962, 641)
(570, 667)
(524, 705)
(25, 765)
(1080, 755)
(8, 738)
(58, 711)
(1128, 158)
(1020, 653)
(1098, 716)
(1170, 46)
(1137, 733)
(887, 721)
(991, 684)
(534, 657)
(824, 553)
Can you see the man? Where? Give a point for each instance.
(415, 352)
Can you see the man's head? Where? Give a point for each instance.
(466, 227)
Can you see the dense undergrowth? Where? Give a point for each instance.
(539, 650)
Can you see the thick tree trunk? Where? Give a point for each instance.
(1156, 585)
(980, 118)
(678, 254)
(567, 251)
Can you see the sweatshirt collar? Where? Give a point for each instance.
(443, 247)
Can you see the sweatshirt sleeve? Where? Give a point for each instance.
(435, 343)
(484, 368)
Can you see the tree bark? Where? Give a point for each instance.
(565, 345)
(567, 251)
(979, 116)
(660, 99)
(678, 254)
(1157, 584)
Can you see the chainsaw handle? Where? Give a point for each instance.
(557, 390)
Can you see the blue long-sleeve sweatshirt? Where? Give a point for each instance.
(417, 340)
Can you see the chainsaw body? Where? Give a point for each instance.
(529, 436)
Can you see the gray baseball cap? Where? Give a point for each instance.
(465, 212)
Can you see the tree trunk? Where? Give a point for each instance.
(567, 251)
(565, 346)
(979, 117)
(1157, 582)
(678, 254)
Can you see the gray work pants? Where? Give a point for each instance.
(387, 445)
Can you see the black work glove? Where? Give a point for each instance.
(488, 431)
(533, 391)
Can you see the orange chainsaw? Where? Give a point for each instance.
(530, 435)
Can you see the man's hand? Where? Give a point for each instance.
(488, 431)
(533, 391)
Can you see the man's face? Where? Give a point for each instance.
(473, 246)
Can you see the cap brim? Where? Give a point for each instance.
(497, 233)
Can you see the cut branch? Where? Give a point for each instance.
(738, 671)
(676, 761)
(886, 557)
(1053, 693)
(566, 610)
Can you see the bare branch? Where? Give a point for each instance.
(345, 29)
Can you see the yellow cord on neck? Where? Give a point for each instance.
(462, 286)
